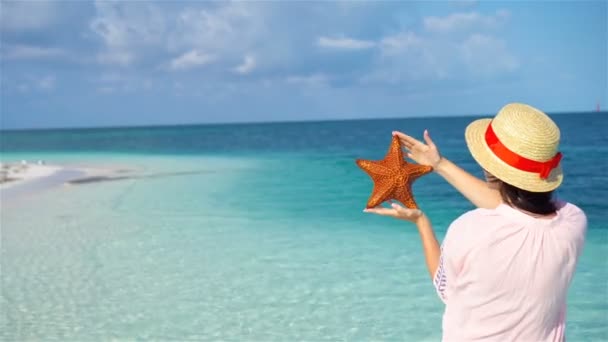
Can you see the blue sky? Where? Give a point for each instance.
(71, 64)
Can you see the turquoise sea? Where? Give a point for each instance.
(253, 232)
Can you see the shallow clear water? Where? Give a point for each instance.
(261, 238)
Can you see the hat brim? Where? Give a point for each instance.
(475, 138)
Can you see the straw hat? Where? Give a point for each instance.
(519, 147)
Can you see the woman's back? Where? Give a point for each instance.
(508, 273)
(503, 273)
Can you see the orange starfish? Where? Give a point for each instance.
(393, 177)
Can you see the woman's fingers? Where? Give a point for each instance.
(427, 138)
(380, 211)
(396, 210)
(405, 139)
(399, 208)
(406, 212)
(387, 204)
(413, 145)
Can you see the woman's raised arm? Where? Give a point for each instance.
(474, 189)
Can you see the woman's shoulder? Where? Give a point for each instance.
(477, 214)
(467, 228)
(483, 220)
(474, 218)
(567, 209)
(572, 215)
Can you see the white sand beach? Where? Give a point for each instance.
(12, 174)
(16, 174)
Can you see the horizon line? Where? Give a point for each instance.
(270, 122)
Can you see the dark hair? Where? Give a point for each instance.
(535, 202)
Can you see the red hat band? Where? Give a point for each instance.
(515, 160)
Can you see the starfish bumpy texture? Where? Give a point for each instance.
(393, 177)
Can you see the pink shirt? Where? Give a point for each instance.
(504, 275)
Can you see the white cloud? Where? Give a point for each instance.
(106, 89)
(118, 57)
(122, 82)
(131, 31)
(407, 56)
(309, 80)
(435, 53)
(227, 31)
(147, 84)
(485, 55)
(391, 45)
(218, 28)
(46, 83)
(112, 77)
(26, 15)
(410, 57)
(197, 34)
(126, 24)
(345, 43)
(464, 3)
(464, 21)
(35, 83)
(190, 60)
(247, 66)
(31, 52)
(125, 28)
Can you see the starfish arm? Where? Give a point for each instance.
(415, 171)
(405, 196)
(394, 155)
(373, 167)
(382, 192)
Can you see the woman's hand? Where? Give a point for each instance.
(397, 211)
(473, 188)
(421, 153)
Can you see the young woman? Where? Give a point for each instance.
(503, 270)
